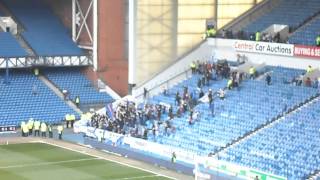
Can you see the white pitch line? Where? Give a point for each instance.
(47, 163)
(118, 162)
(138, 177)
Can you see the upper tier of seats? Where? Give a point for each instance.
(290, 148)
(77, 84)
(307, 34)
(18, 103)
(43, 30)
(10, 47)
(292, 13)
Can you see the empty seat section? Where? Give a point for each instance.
(10, 47)
(19, 103)
(43, 30)
(289, 148)
(77, 84)
(288, 12)
(307, 34)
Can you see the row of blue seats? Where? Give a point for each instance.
(307, 34)
(243, 120)
(10, 47)
(283, 74)
(289, 148)
(253, 106)
(27, 97)
(287, 12)
(291, 99)
(77, 84)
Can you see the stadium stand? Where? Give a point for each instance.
(257, 104)
(10, 46)
(77, 84)
(307, 34)
(27, 97)
(269, 128)
(43, 30)
(287, 12)
(289, 148)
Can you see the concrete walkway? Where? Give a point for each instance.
(59, 93)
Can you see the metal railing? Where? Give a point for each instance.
(165, 84)
(49, 61)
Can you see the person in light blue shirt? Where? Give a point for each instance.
(315, 83)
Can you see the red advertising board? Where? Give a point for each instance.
(307, 51)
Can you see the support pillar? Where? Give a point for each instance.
(132, 45)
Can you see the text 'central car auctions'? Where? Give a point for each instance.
(264, 47)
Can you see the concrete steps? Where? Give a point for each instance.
(315, 18)
(25, 45)
(59, 93)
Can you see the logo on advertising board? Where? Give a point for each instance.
(113, 137)
(90, 132)
(4, 129)
(264, 47)
(159, 149)
(307, 51)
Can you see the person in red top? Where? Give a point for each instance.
(308, 82)
(209, 67)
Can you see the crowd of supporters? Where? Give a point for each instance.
(130, 119)
(134, 120)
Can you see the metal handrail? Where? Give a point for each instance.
(166, 82)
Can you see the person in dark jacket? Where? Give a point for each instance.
(268, 79)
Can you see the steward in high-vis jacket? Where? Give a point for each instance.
(37, 128)
(30, 126)
(43, 129)
(60, 130)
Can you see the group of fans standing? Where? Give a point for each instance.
(131, 119)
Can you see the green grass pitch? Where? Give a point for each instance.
(36, 161)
